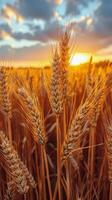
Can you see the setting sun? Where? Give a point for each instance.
(79, 58)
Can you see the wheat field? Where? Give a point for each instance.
(56, 130)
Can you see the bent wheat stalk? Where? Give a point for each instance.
(13, 163)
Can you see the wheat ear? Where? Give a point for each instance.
(4, 94)
(56, 87)
(35, 115)
(78, 127)
(10, 192)
(64, 61)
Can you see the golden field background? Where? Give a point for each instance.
(56, 131)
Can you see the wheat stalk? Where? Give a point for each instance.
(57, 107)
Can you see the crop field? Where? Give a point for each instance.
(56, 130)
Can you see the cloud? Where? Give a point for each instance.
(41, 9)
(92, 42)
(9, 12)
(88, 39)
(58, 1)
(94, 32)
(49, 33)
(106, 51)
(103, 18)
(5, 32)
(4, 35)
(5, 27)
(57, 16)
(74, 7)
(89, 21)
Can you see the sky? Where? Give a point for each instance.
(29, 28)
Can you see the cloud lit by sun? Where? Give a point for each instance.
(10, 13)
(80, 58)
(4, 35)
(58, 1)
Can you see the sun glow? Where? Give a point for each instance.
(79, 58)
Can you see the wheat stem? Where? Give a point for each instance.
(47, 172)
(58, 157)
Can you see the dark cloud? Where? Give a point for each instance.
(32, 9)
(5, 31)
(39, 36)
(88, 39)
(50, 32)
(103, 18)
(99, 37)
(5, 27)
(92, 42)
(74, 7)
(36, 33)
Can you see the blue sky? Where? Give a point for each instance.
(28, 27)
